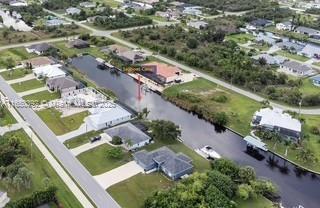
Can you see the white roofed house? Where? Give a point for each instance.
(311, 51)
(49, 71)
(275, 120)
(284, 25)
(197, 24)
(73, 11)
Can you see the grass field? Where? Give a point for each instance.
(132, 192)
(204, 94)
(80, 140)
(308, 88)
(40, 169)
(97, 162)
(111, 3)
(7, 119)
(241, 38)
(259, 202)
(27, 85)
(292, 56)
(14, 74)
(43, 96)
(59, 125)
(16, 54)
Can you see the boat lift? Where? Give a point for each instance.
(255, 143)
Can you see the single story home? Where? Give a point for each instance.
(37, 62)
(4, 199)
(78, 43)
(19, 3)
(290, 46)
(316, 81)
(62, 84)
(296, 69)
(164, 159)
(38, 48)
(103, 117)
(72, 11)
(195, 11)
(164, 72)
(284, 25)
(137, 5)
(131, 136)
(271, 60)
(259, 23)
(277, 121)
(267, 39)
(197, 24)
(56, 22)
(306, 31)
(125, 54)
(88, 4)
(311, 51)
(49, 71)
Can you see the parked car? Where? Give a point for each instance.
(209, 152)
(94, 139)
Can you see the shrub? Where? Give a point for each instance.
(115, 153)
(116, 140)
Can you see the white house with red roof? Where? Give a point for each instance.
(164, 72)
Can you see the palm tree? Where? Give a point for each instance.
(25, 175)
(17, 182)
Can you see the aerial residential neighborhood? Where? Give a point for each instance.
(157, 104)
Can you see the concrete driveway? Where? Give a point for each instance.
(118, 174)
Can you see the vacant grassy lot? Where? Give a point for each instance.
(15, 73)
(97, 162)
(59, 125)
(40, 169)
(27, 85)
(80, 140)
(308, 88)
(138, 188)
(43, 96)
(111, 3)
(292, 56)
(207, 95)
(15, 54)
(7, 118)
(241, 38)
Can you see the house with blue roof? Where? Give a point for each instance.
(173, 165)
(316, 81)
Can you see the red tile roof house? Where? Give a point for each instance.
(164, 72)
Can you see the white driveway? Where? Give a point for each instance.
(84, 128)
(105, 138)
(119, 174)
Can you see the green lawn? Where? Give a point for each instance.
(241, 38)
(28, 85)
(7, 119)
(261, 47)
(292, 56)
(203, 94)
(40, 169)
(96, 161)
(16, 54)
(111, 3)
(80, 140)
(14, 73)
(308, 88)
(59, 125)
(43, 96)
(259, 202)
(132, 192)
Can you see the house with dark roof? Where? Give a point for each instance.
(62, 84)
(78, 43)
(307, 31)
(164, 159)
(296, 69)
(125, 54)
(38, 48)
(131, 136)
(258, 23)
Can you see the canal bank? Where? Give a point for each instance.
(296, 186)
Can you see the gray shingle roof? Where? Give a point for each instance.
(62, 83)
(128, 131)
(289, 45)
(307, 30)
(297, 66)
(42, 47)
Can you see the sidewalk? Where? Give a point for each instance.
(88, 146)
(25, 78)
(118, 174)
(51, 159)
(13, 127)
(29, 92)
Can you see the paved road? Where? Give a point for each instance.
(84, 179)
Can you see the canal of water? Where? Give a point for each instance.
(297, 187)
